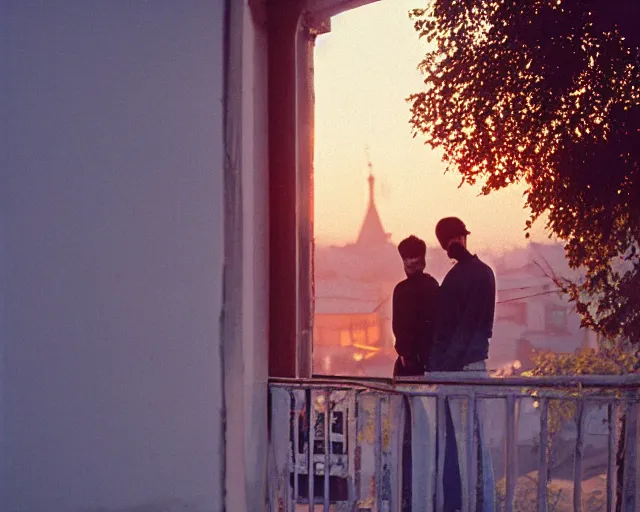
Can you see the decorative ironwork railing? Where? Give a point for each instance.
(509, 444)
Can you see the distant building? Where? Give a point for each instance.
(531, 313)
(353, 285)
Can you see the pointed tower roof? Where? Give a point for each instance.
(372, 232)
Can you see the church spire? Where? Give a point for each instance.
(372, 232)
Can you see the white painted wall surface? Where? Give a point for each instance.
(246, 351)
(255, 293)
(111, 254)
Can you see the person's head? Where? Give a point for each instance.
(413, 252)
(451, 230)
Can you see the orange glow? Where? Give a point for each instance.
(366, 347)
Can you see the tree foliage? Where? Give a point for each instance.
(608, 359)
(547, 93)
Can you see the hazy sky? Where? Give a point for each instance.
(364, 69)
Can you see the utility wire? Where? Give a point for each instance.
(528, 296)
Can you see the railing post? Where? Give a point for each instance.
(543, 469)
(296, 441)
(472, 450)
(400, 419)
(512, 465)
(440, 440)
(378, 452)
(351, 421)
(577, 466)
(327, 447)
(630, 454)
(611, 456)
(311, 437)
(280, 459)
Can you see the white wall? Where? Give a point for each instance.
(245, 326)
(111, 254)
(255, 187)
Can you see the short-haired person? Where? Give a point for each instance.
(413, 310)
(467, 300)
(413, 327)
(466, 306)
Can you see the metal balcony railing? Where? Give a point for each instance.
(519, 444)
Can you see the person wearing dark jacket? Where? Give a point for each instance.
(413, 310)
(466, 301)
(413, 327)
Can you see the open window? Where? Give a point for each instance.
(323, 325)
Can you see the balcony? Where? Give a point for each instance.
(544, 444)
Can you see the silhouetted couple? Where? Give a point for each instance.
(442, 328)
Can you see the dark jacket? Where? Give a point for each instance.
(466, 306)
(413, 320)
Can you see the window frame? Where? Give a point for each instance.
(292, 28)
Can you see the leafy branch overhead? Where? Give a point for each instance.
(547, 93)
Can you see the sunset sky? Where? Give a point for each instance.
(364, 69)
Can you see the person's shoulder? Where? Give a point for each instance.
(430, 280)
(484, 265)
(451, 275)
(486, 268)
(402, 285)
(456, 271)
